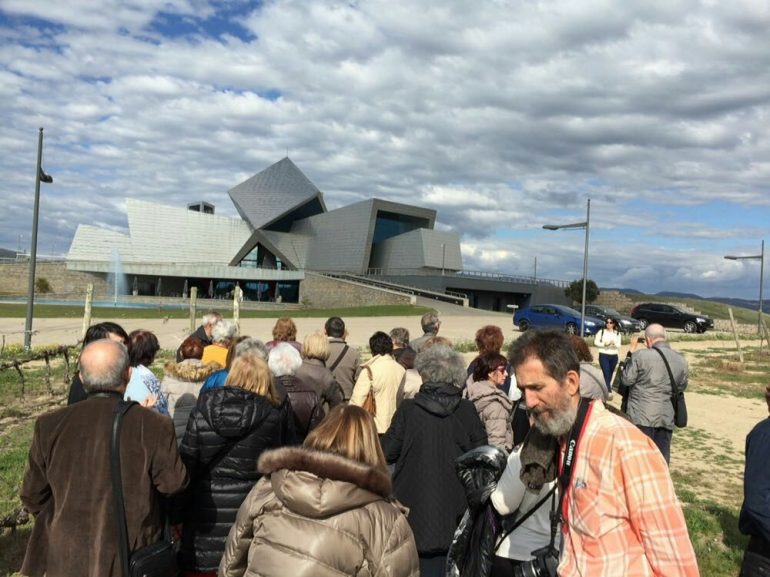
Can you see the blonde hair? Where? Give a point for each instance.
(250, 373)
(316, 346)
(285, 330)
(349, 431)
(436, 340)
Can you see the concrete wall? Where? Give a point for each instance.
(320, 291)
(64, 283)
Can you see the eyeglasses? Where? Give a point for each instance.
(610, 322)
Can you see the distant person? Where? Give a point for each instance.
(222, 335)
(284, 361)
(490, 339)
(486, 393)
(649, 386)
(384, 377)
(239, 347)
(430, 324)
(68, 484)
(621, 515)
(591, 379)
(182, 382)
(284, 331)
(400, 338)
(105, 330)
(313, 371)
(425, 437)
(608, 341)
(754, 519)
(227, 431)
(203, 332)
(344, 361)
(144, 386)
(324, 509)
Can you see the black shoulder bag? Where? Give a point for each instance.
(677, 397)
(156, 560)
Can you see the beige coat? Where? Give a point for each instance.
(317, 514)
(181, 384)
(387, 383)
(494, 409)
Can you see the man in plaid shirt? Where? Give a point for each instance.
(620, 515)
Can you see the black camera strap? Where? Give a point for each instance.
(567, 465)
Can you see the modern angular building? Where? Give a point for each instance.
(284, 230)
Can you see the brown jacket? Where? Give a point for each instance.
(346, 371)
(69, 489)
(313, 372)
(317, 514)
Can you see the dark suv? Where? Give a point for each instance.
(670, 316)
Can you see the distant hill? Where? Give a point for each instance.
(5, 253)
(734, 302)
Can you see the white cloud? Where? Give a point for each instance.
(502, 116)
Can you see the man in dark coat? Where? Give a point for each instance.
(68, 486)
(203, 332)
(425, 437)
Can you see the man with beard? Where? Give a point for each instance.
(620, 515)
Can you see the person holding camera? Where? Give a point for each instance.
(647, 376)
(618, 507)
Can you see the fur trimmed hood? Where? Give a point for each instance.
(190, 370)
(326, 465)
(319, 484)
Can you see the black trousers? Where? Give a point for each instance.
(503, 567)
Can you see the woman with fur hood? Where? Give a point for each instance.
(324, 509)
(182, 382)
(492, 404)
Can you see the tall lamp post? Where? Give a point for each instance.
(40, 176)
(761, 258)
(586, 224)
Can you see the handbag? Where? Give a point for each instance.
(370, 404)
(677, 397)
(156, 560)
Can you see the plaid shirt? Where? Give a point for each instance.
(623, 518)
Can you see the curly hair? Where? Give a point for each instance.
(489, 339)
(441, 364)
(285, 330)
(380, 343)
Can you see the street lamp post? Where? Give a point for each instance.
(40, 176)
(761, 258)
(587, 226)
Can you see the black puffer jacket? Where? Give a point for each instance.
(227, 431)
(426, 436)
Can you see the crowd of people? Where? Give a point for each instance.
(297, 458)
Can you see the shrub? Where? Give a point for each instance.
(42, 285)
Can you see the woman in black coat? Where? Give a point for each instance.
(425, 437)
(228, 430)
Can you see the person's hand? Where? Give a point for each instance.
(176, 533)
(149, 401)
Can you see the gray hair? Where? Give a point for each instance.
(655, 332)
(103, 366)
(211, 318)
(251, 346)
(400, 336)
(551, 347)
(284, 360)
(430, 322)
(223, 331)
(441, 364)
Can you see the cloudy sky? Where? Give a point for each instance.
(502, 115)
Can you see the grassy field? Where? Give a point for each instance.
(160, 312)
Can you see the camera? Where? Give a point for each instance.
(543, 565)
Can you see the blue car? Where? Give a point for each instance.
(555, 317)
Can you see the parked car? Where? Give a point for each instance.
(554, 316)
(671, 317)
(624, 324)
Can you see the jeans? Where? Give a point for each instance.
(661, 437)
(608, 364)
